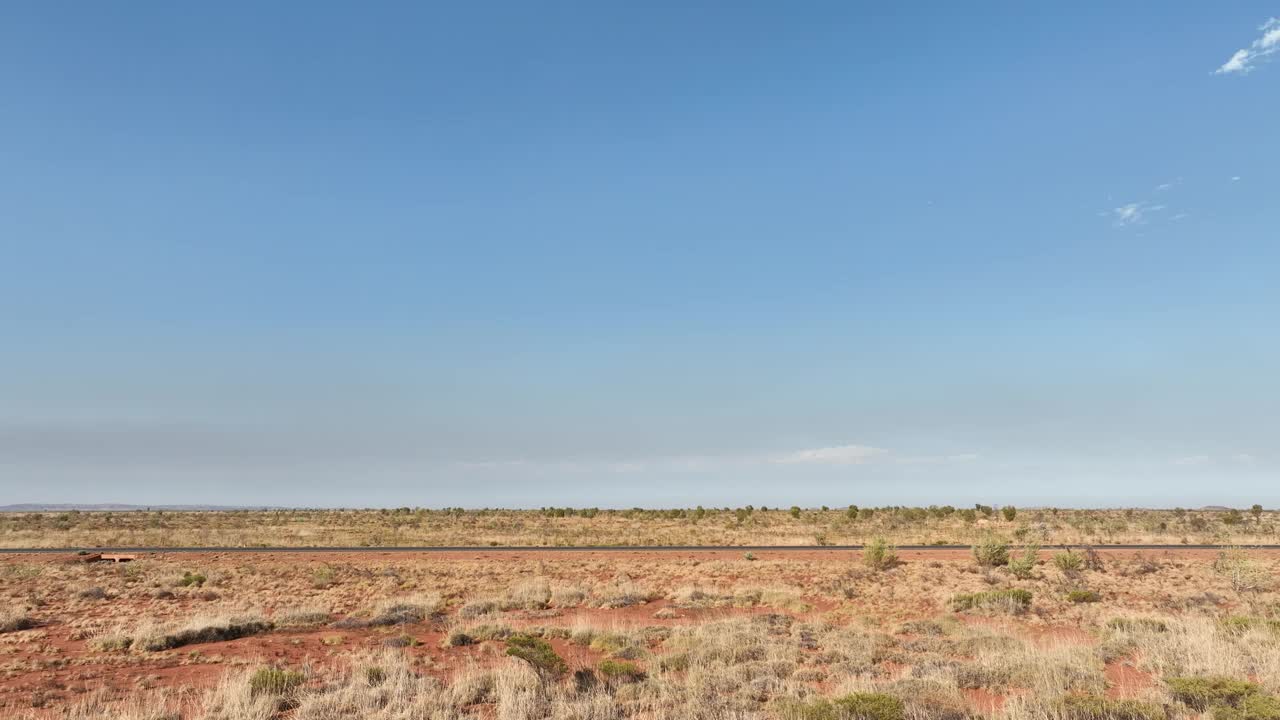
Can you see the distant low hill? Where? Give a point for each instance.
(118, 507)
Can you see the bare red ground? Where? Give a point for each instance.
(79, 670)
(1124, 680)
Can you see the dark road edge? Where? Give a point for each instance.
(585, 548)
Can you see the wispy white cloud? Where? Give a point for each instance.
(1134, 213)
(1246, 60)
(836, 455)
(1192, 460)
(1244, 458)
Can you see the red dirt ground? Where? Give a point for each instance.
(79, 670)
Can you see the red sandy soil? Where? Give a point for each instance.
(1124, 680)
(79, 670)
(940, 554)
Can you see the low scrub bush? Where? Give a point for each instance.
(1240, 624)
(538, 653)
(302, 617)
(1069, 562)
(1024, 566)
(1013, 600)
(13, 621)
(620, 671)
(402, 640)
(879, 555)
(1083, 596)
(190, 579)
(476, 608)
(1253, 707)
(477, 634)
(113, 642)
(400, 611)
(991, 551)
(1093, 707)
(857, 706)
(201, 631)
(1201, 693)
(275, 681)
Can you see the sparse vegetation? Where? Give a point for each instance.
(1093, 707)
(1013, 600)
(1202, 693)
(620, 670)
(538, 653)
(198, 630)
(567, 635)
(275, 681)
(879, 555)
(856, 706)
(1069, 562)
(991, 551)
(13, 620)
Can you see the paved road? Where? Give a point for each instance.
(586, 548)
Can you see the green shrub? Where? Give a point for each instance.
(1013, 600)
(869, 706)
(1009, 512)
(1083, 596)
(1201, 693)
(1253, 707)
(1240, 624)
(620, 671)
(858, 706)
(190, 579)
(1069, 562)
(275, 681)
(879, 555)
(1092, 707)
(374, 676)
(991, 551)
(538, 653)
(1024, 566)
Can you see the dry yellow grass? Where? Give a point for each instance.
(710, 635)
(409, 527)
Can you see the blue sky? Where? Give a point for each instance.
(639, 254)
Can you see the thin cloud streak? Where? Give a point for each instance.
(1246, 60)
